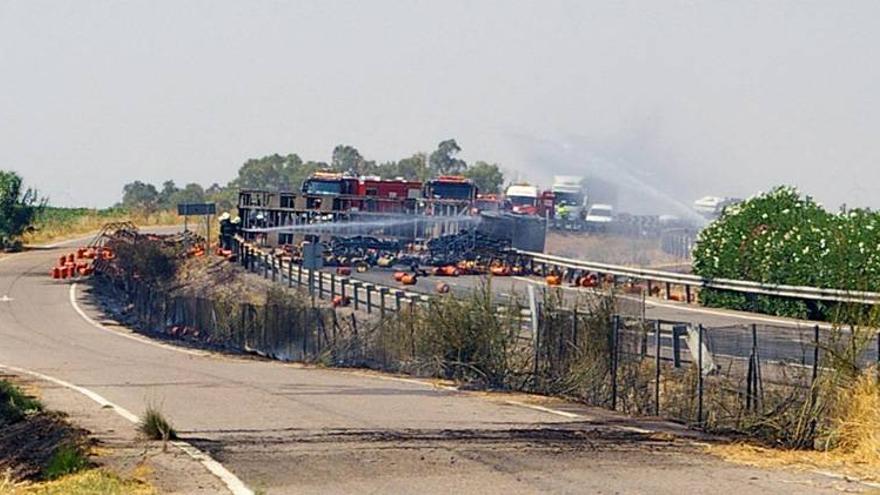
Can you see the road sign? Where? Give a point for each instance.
(196, 209)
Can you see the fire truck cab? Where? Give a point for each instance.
(451, 187)
(388, 195)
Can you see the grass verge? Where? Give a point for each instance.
(87, 482)
(851, 447)
(15, 405)
(60, 223)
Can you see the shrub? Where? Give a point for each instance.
(67, 459)
(15, 404)
(784, 238)
(155, 426)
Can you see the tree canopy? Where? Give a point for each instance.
(487, 177)
(19, 208)
(444, 161)
(287, 173)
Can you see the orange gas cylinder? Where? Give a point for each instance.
(553, 279)
(409, 279)
(441, 288)
(71, 257)
(500, 271)
(341, 301)
(62, 260)
(398, 276)
(56, 272)
(587, 281)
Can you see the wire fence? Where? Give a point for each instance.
(725, 377)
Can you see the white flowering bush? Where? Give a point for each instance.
(782, 237)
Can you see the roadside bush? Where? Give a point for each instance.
(67, 459)
(155, 426)
(15, 404)
(784, 238)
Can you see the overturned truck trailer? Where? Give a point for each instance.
(525, 232)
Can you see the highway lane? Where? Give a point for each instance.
(727, 332)
(288, 429)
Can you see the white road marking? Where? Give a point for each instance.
(127, 335)
(235, 485)
(6, 298)
(548, 410)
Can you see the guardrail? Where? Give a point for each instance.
(669, 279)
(690, 281)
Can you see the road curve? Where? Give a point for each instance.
(288, 429)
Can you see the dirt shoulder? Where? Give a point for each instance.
(113, 444)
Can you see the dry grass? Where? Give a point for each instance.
(606, 248)
(852, 445)
(89, 482)
(92, 221)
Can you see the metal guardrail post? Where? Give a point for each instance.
(299, 274)
(320, 283)
(332, 285)
(382, 292)
(687, 293)
(342, 284)
(265, 260)
(668, 291)
(290, 273)
(274, 268)
(398, 295)
(369, 289)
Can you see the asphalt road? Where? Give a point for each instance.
(288, 429)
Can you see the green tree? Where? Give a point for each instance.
(487, 177)
(444, 161)
(169, 189)
(273, 172)
(19, 209)
(347, 158)
(414, 167)
(140, 196)
(191, 193)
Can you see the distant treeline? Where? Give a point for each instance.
(287, 172)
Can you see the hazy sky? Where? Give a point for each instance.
(688, 98)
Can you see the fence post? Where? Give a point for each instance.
(265, 259)
(342, 284)
(382, 291)
(574, 327)
(657, 368)
(668, 291)
(700, 374)
(320, 276)
(816, 354)
(290, 273)
(397, 296)
(274, 268)
(354, 291)
(299, 274)
(369, 289)
(677, 331)
(332, 285)
(615, 328)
